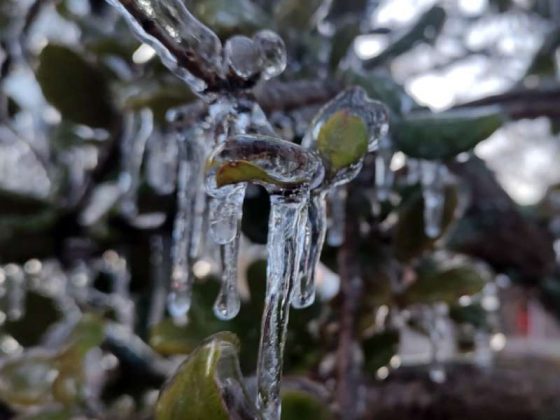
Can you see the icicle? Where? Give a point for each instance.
(316, 228)
(383, 174)
(225, 212)
(436, 324)
(159, 268)
(161, 164)
(179, 299)
(433, 190)
(228, 302)
(282, 248)
(15, 293)
(184, 32)
(138, 128)
(337, 200)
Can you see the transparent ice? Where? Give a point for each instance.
(161, 162)
(432, 178)
(138, 128)
(182, 35)
(384, 176)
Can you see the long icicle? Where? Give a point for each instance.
(281, 253)
(316, 229)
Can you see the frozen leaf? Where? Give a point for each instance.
(208, 385)
(445, 285)
(342, 141)
(75, 87)
(410, 238)
(273, 56)
(442, 136)
(263, 160)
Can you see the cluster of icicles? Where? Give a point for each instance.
(236, 134)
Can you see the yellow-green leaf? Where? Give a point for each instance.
(243, 171)
(206, 383)
(342, 141)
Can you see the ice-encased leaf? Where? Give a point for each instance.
(342, 141)
(426, 135)
(207, 385)
(347, 108)
(75, 87)
(264, 160)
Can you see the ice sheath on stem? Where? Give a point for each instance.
(282, 249)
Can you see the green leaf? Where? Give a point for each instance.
(380, 85)
(410, 239)
(296, 14)
(445, 285)
(342, 141)
(75, 87)
(207, 385)
(379, 349)
(301, 405)
(425, 30)
(230, 17)
(27, 380)
(442, 136)
(474, 315)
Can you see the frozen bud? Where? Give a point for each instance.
(243, 56)
(273, 53)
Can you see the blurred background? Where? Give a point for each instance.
(459, 325)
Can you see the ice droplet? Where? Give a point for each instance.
(273, 54)
(242, 56)
(433, 190)
(228, 302)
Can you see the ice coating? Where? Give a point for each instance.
(432, 178)
(180, 37)
(282, 249)
(284, 165)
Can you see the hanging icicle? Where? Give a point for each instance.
(432, 178)
(384, 176)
